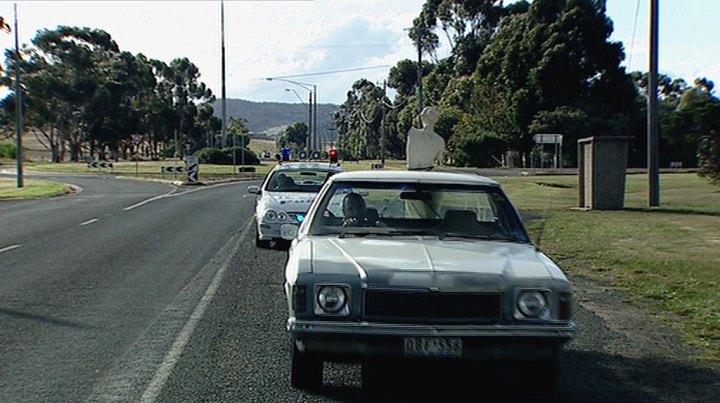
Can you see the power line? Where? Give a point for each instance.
(322, 73)
(368, 45)
(632, 39)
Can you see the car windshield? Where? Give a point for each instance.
(446, 211)
(306, 180)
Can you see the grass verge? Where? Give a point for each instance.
(665, 258)
(32, 189)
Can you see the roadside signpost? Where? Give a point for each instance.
(137, 139)
(192, 167)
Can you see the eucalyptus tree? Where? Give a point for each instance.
(295, 135)
(555, 58)
(77, 56)
(180, 92)
(692, 130)
(359, 119)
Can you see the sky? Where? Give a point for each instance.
(313, 37)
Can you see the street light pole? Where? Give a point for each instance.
(313, 98)
(307, 139)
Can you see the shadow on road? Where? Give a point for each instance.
(583, 377)
(39, 318)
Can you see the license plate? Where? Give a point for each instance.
(433, 346)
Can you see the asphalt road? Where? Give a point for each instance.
(136, 291)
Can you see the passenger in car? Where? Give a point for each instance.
(283, 182)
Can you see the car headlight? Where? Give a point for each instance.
(332, 299)
(271, 215)
(282, 216)
(531, 304)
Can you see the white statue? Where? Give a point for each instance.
(424, 145)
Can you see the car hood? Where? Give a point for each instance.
(417, 260)
(289, 202)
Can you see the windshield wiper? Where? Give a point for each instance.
(461, 235)
(408, 232)
(382, 233)
(344, 234)
(483, 237)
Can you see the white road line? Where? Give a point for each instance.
(8, 248)
(161, 376)
(152, 199)
(173, 193)
(90, 221)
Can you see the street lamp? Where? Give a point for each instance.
(307, 140)
(312, 109)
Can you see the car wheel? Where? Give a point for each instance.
(306, 371)
(259, 242)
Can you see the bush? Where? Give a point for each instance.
(225, 157)
(8, 150)
(212, 156)
(478, 150)
(709, 154)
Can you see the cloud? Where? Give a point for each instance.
(352, 40)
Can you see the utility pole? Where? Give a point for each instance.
(653, 127)
(18, 106)
(315, 139)
(308, 143)
(382, 125)
(421, 29)
(222, 68)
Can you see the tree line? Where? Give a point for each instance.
(521, 69)
(84, 97)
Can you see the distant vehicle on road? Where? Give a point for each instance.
(421, 265)
(285, 196)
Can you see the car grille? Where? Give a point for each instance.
(432, 307)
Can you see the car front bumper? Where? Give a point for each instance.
(356, 341)
(270, 231)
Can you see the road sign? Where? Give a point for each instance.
(548, 138)
(137, 138)
(100, 165)
(315, 155)
(172, 169)
(302, 155)
(192, 166)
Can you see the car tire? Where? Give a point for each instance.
(259, 242)
(306, 371)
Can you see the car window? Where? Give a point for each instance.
(443, 210)
(306, 180)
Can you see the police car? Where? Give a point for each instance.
(285, 196)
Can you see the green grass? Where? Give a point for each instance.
(31, 189)
(666, 258)
(151, 169)
(148, 169)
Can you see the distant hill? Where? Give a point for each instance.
(273, 117)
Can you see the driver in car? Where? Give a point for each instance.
(357, 214)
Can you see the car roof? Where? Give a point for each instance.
(414, 176)
(314, 166)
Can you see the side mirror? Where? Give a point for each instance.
(253, 189)
(288, 231)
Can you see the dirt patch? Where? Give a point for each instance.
(640, 328)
